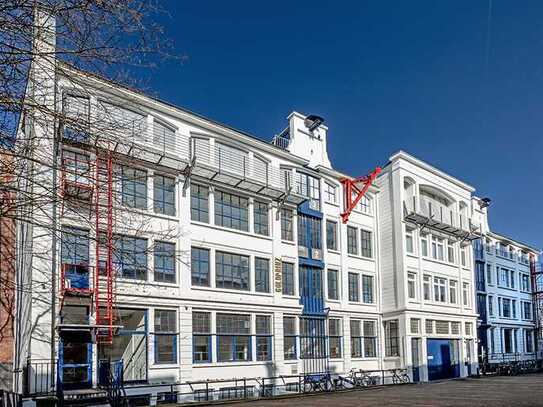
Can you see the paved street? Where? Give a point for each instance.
(525, 390)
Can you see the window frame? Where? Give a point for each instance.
(137, 197)
(160, 194)
(164, 334)
(159, 257)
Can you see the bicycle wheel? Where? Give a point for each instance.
(405, 378)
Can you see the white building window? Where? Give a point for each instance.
(330, 193)
(424, 244)
(437, 248)
(450, 251)
(427, 288)
(452, 291)
(465, 294)
(412, 285)
(440, 289)
(409, 241)
(489, 274)
(365, 205)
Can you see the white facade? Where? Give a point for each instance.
(229, 250)
(427, 279)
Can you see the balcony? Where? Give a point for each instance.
(281, 142)
(424, 211)
(236, 168)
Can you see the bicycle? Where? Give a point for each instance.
(400, 376)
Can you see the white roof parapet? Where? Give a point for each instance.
(408, 157)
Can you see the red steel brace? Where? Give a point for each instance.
(352, 185)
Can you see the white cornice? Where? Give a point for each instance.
(402, 155)
(513, 242)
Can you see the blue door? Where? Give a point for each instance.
(75, 367)
(442, 357)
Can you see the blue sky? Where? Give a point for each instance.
(386, 75)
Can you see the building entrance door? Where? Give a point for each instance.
(415, 357)
(443, 360)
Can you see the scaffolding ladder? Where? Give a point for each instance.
(104, 276)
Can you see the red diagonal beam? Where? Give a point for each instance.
(350, 186)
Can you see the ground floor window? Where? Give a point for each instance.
(233, 337)
(508, 341)
(129, 345)
(165, 336)
(529, 341)
(334, 338)
(392, 347)
(201, 339)
(289, 339)
(263, 338)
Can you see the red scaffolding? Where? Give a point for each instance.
(104, 275)
(354, 190)
(83, 182)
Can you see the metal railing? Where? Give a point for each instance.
(195, 392)
(239, 164)
(10, 399)
(281, 142)
(38, 378)
(439, 213)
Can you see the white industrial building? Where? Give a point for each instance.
(185, 250)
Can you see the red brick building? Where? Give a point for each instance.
(7, 270)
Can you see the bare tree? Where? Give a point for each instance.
(91, 37)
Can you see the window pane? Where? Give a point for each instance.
(232, 271)
(164, 262)
(261, 218)
(164, 195)
(262, 275)
(199, 203)
(231, 211)
(200, 266)
(288, 278)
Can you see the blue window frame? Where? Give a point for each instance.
(165, 336)
(134, 187)
(262, 275)
(131, 340)
(309, 232)
(231, 271)
(199, 203)
(164, 262)
(201, 338)
(231, 211)
(263, 338)
(261, 218)
(234, 338)
(199, 269)
(164, 195)
(288, 278)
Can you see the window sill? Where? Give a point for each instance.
(165, 366)
(333, 251)
(225, 229)
(290, 297)
(371, 304)
(362, 358)
(231, 291)
(359, 257)
(289, 242)
(234, 363)
(148, 212)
